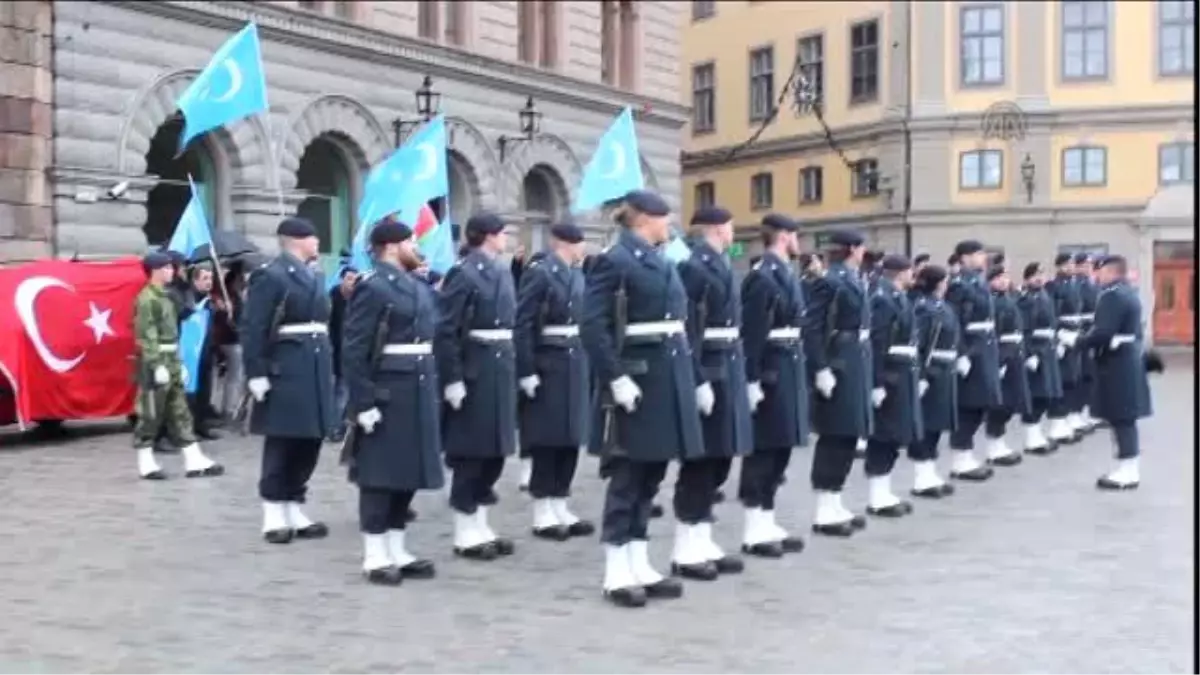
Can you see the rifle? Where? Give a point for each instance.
(608, 441)
(349, 446)
(935, 336)
(245, 408)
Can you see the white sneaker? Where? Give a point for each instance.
(925, 477)
(1059, 430)
(997, 448)
(1126, 475)
(639, 563)
(148, 467)
(296, 518)
(375, 553)
(544, 517)
(880, 494)
(688, 550)
(398, 550)
(1034, 440)
(467, 534)
(275, 517)
(618, 572)
(829, 511)
(196, 463)
(755, 529)
(964, 461)
(563, 513)
(711, 550)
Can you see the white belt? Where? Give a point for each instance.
(1087, 317)
(560, 331)
(722, 333)
(944, 355)
(409, 349)
(903, 350)
(1071, 318)
(1013, 338)
(303, 328)
(981, 326)
(789, 333)
(1118, 340)
(1044, 333)
(654, 328)
(491, 334)
(167, 349)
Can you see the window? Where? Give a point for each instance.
(1085, 39)
(982, 40)
(810, 53)
(427, 19)
(706, 194)
(762, 83)
(864, 62)
(343, 10)
(1176, 37)
(980, 169)
(762, 191)
(811, 185)
(864, 181)
(527, 42)
(1085, 166)
(703, 10)
(456, 23)
(630, 45)
(704, 98)
(1176, 163)
(1094, 250)
(608, 41)
(548, 38)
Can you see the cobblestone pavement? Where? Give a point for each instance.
(1033, 572)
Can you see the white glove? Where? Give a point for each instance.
(161, 375)
(825, 382)
(754, 392)
(878, 394)
(259, 386)
(1068, 337)
(367, 419)
(183, 373)
(963, 366)
(626, 393)
(922, 387)
(455, 393)
(1003, 371)
(530, 385)
(1032, 363)
(1062, 350)
(705, 399)
(1114, 343)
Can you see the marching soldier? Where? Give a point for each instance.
(1064, 290)
(978, 365)
(896, 388)
(1014, 383)
(392, 387)
(161, 403)
(553, 375)
(633, 329)
(477, 364)
(953, 267)
(1041, 362)
(837, 345)
(289, 371)
(1122, 393)
(920, 262)
(773, 307)
(938, 333)
(713, 322)
(1088, 295)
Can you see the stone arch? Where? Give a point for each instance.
(547, 152)
(342, 118)
(648, 174)
(473, 160)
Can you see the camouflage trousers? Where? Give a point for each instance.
(163, 407)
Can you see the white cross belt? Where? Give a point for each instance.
(408, 349)
(312, 327)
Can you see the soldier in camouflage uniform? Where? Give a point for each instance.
(161, 401)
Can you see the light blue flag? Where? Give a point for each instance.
(677, 249)
(191, 232)
(191, 343)
(438, 246)
(229, 88)
(615, 168)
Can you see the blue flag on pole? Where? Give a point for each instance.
(615, 168)
(191, 232)
(677, 249)
(438, 246)
(230, 87)
(191, 342)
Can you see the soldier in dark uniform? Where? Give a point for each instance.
(1064, 290)
(552, 372)
(392, 386)
(713, 324)
(920, 262)
(1041, 360)
(1122, 393)
(896, 384)
(938, 335)
(1014, 381)
(838, 349)
(477, 363)
(1089, 293)
(633, 328)
(978, 365)
(953, 267)
(289, 371)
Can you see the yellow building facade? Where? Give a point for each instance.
(1033, 126)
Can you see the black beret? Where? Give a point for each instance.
(1063, 258)
(920, 259)
(846, 238)
(647, 202)
(389, 231)
(805, 259)
(568, 232)
(175, 257)
(895, 263)
(1113, 259)
(711, 215)
(1032, 269)
(1082, 257)
(954, 259)
(155, 260)
(998, 258)
(968, 247)
(930, 276)
(778, 221)
(994, 272)
(347, 269)
(485, 223)
(296, 228)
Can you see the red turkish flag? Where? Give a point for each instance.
(66, 339)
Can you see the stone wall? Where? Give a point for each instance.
(26, 100)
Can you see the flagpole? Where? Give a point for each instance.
(212, 251)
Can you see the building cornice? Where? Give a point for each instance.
(356, 41)
(955, 217)
(1083, 120)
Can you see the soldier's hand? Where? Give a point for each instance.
(161, 375)
(878, 394)
(625, 393)
(963, 366)
(259, 386)
(1032, 363)
(1061, 350)
(455, 393)
(1003, 371)
(705, 399)
(367, 419)
(825, 382)
(1067, 337)
(754, 392)
(530, 385)
(922, 387)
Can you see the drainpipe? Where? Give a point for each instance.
(906, 126)
(51, 170)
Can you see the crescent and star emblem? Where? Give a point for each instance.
(235, 83)
(27, 294)
(430, 154)
(618, 165)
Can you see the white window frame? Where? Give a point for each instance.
(975, 172)
(705, 193)
(978, 30)
(762, 82)
(1087, 166)
(762, 191)
(1184, 162)
(1182, 22)
(1086, 20)
(811, 63)
(867, 169)
(812, 185)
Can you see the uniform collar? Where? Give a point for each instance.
(642, 250)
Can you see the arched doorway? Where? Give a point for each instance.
(169, 197)
(324, 175)
(543, 203)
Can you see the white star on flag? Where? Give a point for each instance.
(98, 321)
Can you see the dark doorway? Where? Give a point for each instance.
(167, 200)
(324, 175)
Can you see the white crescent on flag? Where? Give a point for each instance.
(24, 299)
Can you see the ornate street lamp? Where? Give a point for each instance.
(429, 103)
(1028, 172)
(530, 121)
